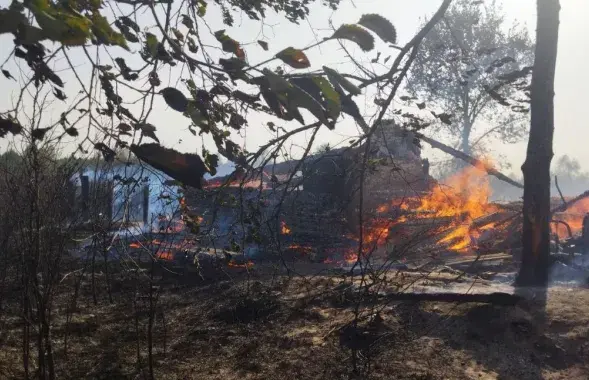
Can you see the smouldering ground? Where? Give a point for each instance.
(281, 328)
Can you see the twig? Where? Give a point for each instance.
(568, 204)
(559, 191)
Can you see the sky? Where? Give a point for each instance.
(572, 77)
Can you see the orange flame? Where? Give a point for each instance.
(461, 199)
(304, 249)
(573, 216)
(165, 255)
(284, 229)
(234, 264)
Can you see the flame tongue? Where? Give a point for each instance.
(573, 216)
(455, 204)
(464, 198)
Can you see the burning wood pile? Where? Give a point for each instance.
(453, 218)
(314, 214)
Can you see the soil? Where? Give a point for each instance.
(253, 326)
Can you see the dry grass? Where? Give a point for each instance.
(281, 328)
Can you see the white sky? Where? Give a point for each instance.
(572, 77)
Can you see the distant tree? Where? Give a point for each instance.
(323, 148)
(474, 70)
(536, 168)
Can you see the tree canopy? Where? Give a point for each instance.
(473, 68)
(125, 46)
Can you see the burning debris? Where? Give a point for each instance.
(404, 210)
(284, 230)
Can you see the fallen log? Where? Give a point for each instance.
(497, 298)
(471, 160)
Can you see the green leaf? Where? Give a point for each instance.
(196, 116)
(291, 97)
(108, 154)
(331, 96)
(148, 130)
(294, 57)
(211, 161)
(187, 21)
(339, 80)
(276, 82)
(130, 23)
(151, 43)
(10, 19)
(70, 29)
(191, 45)
(229, 44)
(202, 8)
(178, 34)
(380, 26)
(187, 168)
(175, 99)
(300, 98)
(322, 91)
(234, 67)
(263, 44)
(355, 34)
(104, 32)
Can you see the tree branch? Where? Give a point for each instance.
(471, 160)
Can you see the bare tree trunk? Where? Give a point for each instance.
(106, 273)
(150, 323)
(26, 335)
(94, 248)
(465, 139)
(536, 169)
(466, 127)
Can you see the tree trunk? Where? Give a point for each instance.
(536, 169)
(465, 144)
(466, 128)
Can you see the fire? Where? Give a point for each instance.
(459, 201)
(573, 217)
(304, 249)
(234, 264)
(284, 229)
(184, 244)
(463, 198)
(165, 255)
(251, 184)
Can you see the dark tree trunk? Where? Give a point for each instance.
(536, 169)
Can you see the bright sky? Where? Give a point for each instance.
(572, 78)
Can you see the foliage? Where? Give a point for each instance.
(214, 105)
(471, 68)
(216, 93)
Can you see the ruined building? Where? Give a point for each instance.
(319, 204)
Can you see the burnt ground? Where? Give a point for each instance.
(279, 327)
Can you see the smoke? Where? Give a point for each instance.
(572, 180)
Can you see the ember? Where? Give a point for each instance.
(284, 229)
(165, 255)
(234, 264)
(300, 248)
